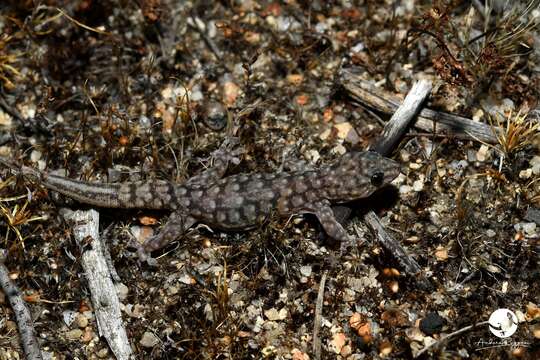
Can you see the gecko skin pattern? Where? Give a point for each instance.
(237, 202)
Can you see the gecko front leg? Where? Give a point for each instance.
(176, 225)
(324, 213)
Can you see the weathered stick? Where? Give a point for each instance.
(410, 266)
(428, 120)
(399, 123)
(392, 134)
(318, 316)
(22, 314)
(102, 290)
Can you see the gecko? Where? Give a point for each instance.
(236, 202)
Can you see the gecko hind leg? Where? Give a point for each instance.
(175, 226)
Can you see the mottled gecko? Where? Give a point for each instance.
(237, 202)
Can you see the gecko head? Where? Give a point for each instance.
(359, 174)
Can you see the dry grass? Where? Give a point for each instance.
(9, 74)
(516, 132)
(484, 46)
(15, 216)
(504, 39)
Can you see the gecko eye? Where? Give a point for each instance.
(377, 178)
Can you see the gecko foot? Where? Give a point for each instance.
(142, 254)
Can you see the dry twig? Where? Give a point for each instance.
(428, 120)
(392, 134)
(22, 314)
(318, 317)
(399, 123)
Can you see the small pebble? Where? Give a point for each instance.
(295, 79)
(267, 351)
(230, 90)
(81, 321)
(471, 155)
(328, 115)
(145, 122)
(385, 348)
(274, 315)
(418, 185)
(215, 116)
(313, 156)
(338, 149)
(305, 270)
(172, 290)
(529, 228)
(338, 342)
(483, 153)
(74, 334)
(252, 37)
(103, 353)
(412, 239)
(325, 134)
(525, 174)
(196, 94)
(432, 323)
(441, 253)
(358, 47)
(405, 189)
(122, 291)
(533, 215)
(186, 279)
(478, 114)
(347, 132)
(149, 340)
(69, 316)
(459, 165)
(5, 119)
(88, 335)
(394, 286)
(346, 351)
(35, 156)
(302, 99)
